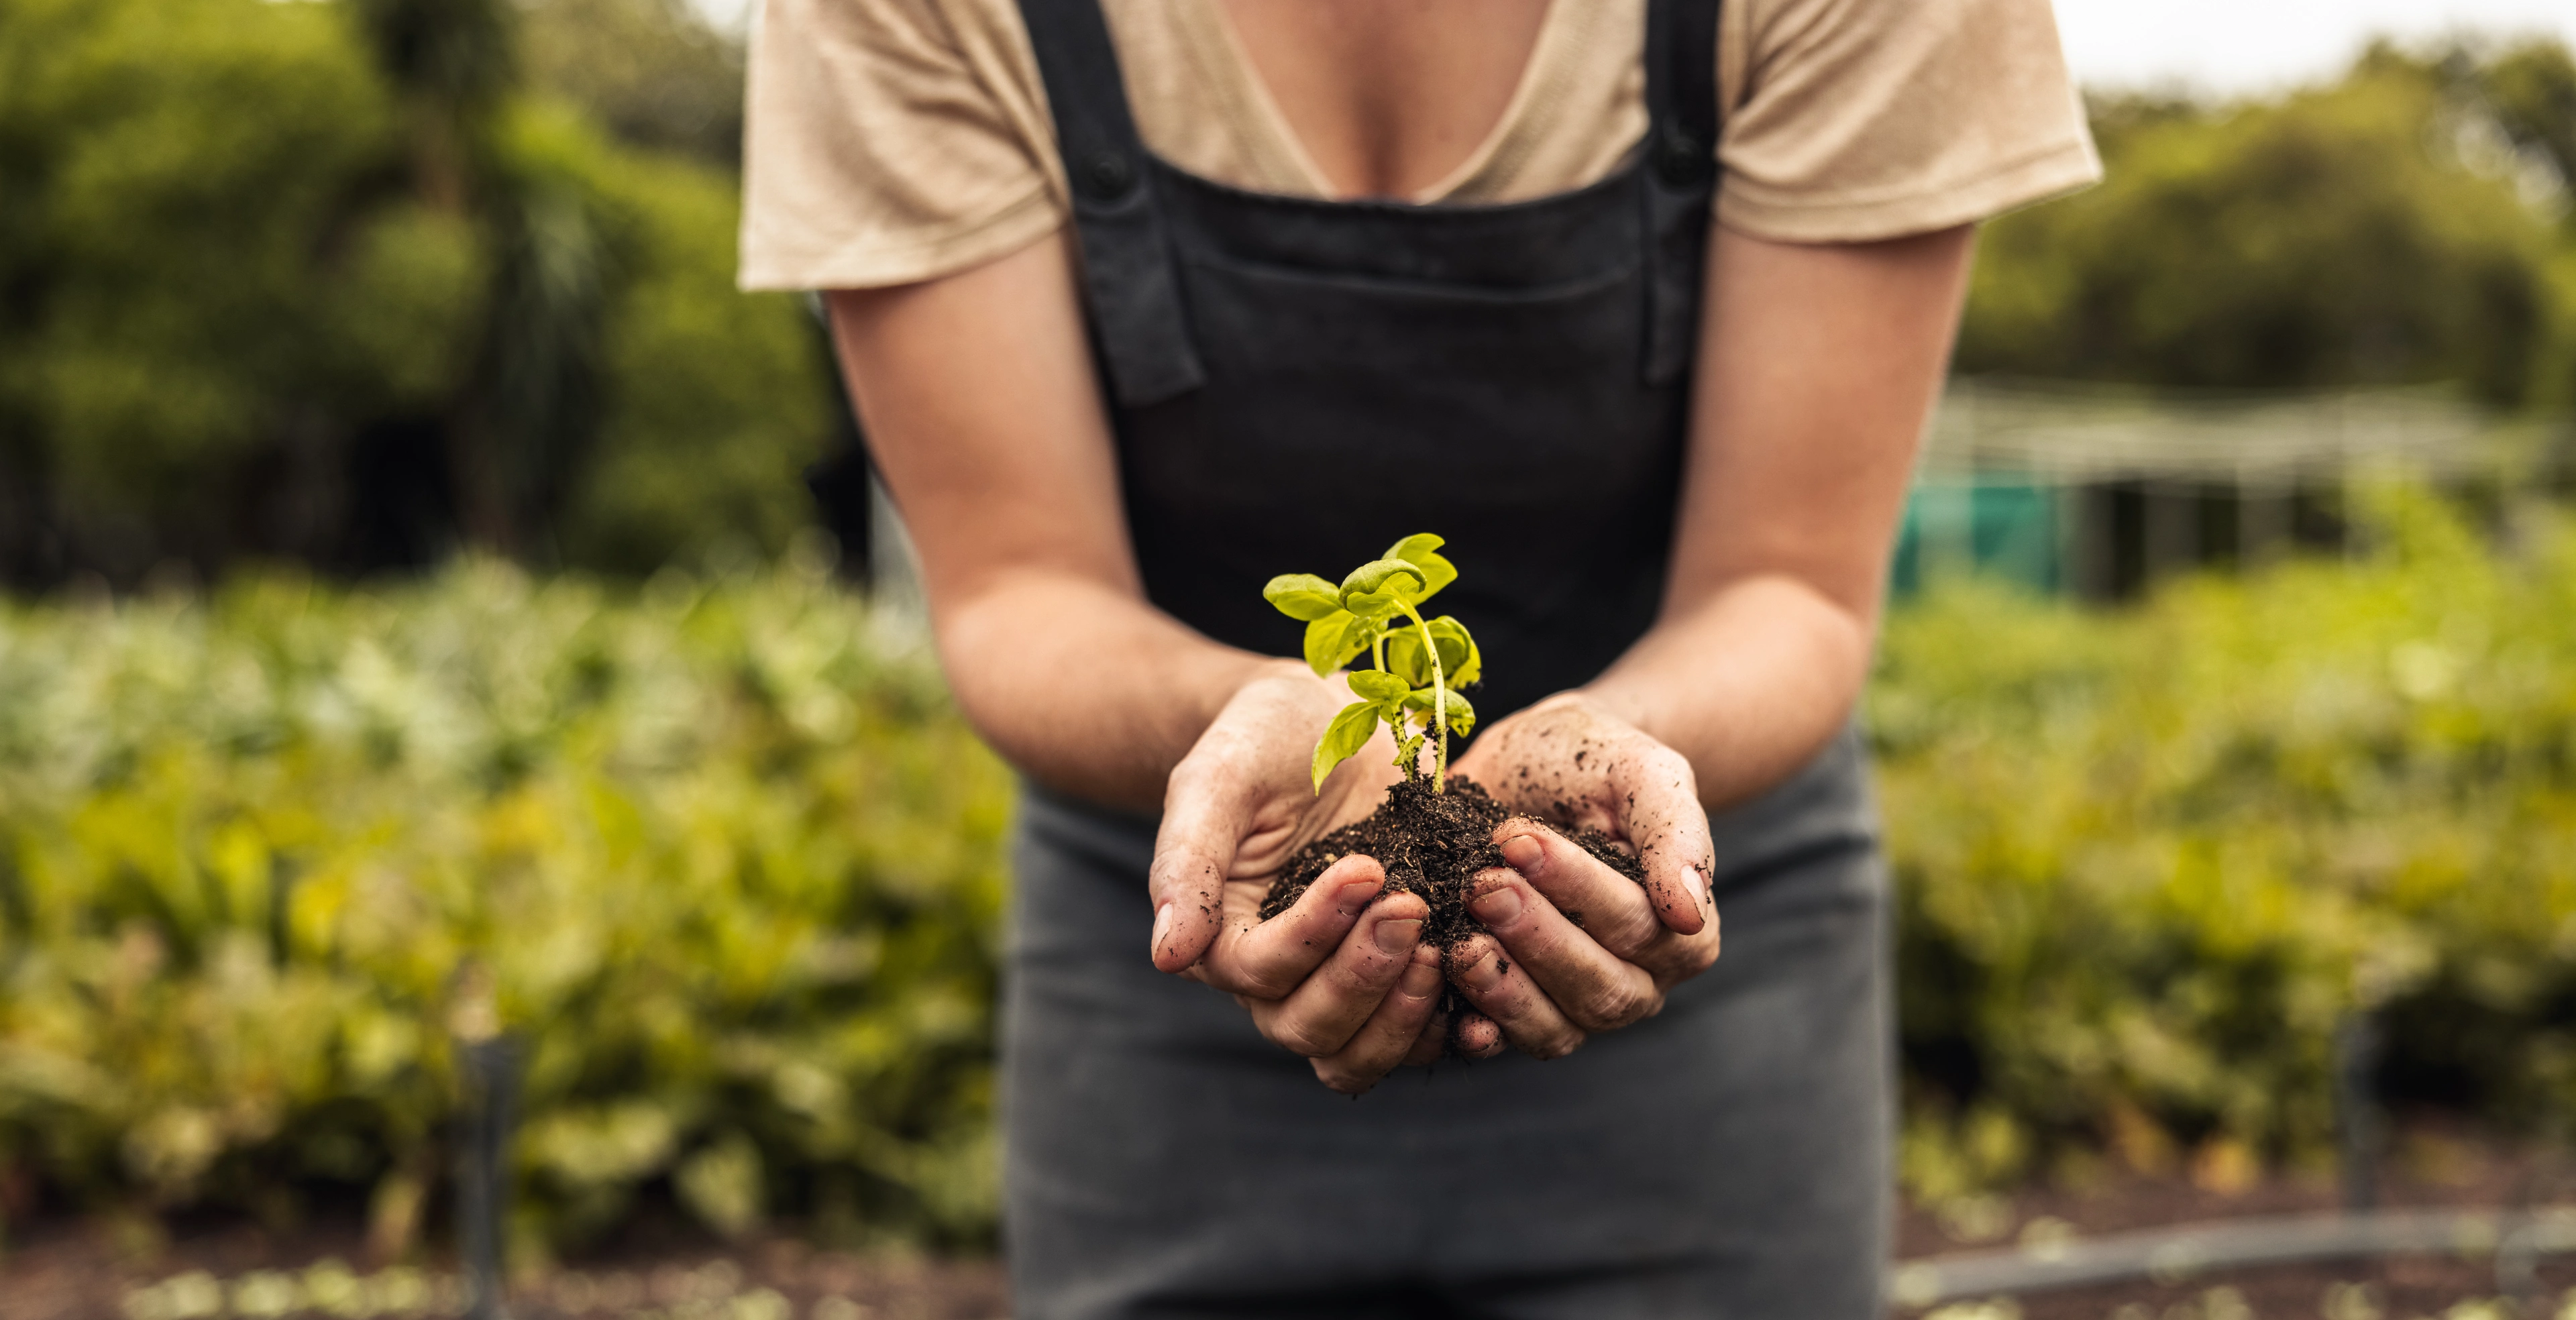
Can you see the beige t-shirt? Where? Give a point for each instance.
(898, 140)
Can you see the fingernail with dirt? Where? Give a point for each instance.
(1435, 845)
(1484, 973)
(1496, 906)
(1162, 927)
(1421, 980)
(1398, 936)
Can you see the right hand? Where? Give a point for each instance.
(1338, 978)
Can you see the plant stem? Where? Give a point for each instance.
(1410, 765)
(1439, 699)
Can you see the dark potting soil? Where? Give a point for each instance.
(1431, 844)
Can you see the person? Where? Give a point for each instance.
(1145, 301)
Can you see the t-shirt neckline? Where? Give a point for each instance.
(1272, 122)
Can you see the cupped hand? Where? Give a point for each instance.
(1341, 977)
(1574, 947)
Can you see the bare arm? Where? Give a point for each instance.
(980, 406)
(977, 394)
(1818, 366)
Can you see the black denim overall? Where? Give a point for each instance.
(1295, 384)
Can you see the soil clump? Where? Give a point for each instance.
(1431, 844)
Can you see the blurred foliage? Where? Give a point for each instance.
(2396, 227)
(324, 282)
(2149, 860)
(651, 71)
(2529, 89)
(718, 400)
(171, 174)
(731, 869)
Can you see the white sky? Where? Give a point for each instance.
(2223, 47)
(730, 14)
(2242, 46)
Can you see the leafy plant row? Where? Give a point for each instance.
(2149, 861)
(723, 861)
(726, 861)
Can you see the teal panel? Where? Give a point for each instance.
(1999, 527)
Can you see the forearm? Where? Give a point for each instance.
(1746, 683)
(977, 395)
(1818, 366)
(1086, 688)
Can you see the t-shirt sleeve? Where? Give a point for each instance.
(1854, 120)
(889, 141)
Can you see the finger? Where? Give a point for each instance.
(1503, 991)
(1392, 1032)
(1596, 990)
(1433, 1039)
(1327, 1009)
(1662, 815)
(1677, 958)
(1478, 1037)
(1206, 813)
(1268, 959)
(1607, 905)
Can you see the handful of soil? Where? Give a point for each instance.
(1431, 844)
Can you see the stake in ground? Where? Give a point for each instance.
(1416, 665)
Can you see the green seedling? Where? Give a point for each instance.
(1416, 665)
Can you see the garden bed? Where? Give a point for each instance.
(664, 1267)
(2434, 1162)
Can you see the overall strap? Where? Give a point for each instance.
(1680, 174)
(1128, 283)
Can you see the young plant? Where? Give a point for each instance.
(1416, 665)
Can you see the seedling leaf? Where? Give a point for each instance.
(1416, 665)
(1381, 587)
(1348, 733)
(1331, 641)
(1462, 717)
(1420, 550)
(1303, 596)
(1459, 658)
(1404, 657)
(1387, 690)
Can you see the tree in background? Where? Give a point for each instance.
(329, 282)
(194, 297)
(518, 421)
(649, 71)
(359, 283)
(2529, 90)
(2381, 230)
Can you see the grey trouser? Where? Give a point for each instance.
(1726, 1158)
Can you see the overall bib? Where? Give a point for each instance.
(1294, 385)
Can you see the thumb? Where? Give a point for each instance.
(1664, 818)
(1204, 819)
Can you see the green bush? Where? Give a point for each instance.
(2379, 230)
(262, 290)
(728, 866)
(2148, 860)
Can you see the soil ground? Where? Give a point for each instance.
(98, 1271)
(66, 1269)
(2432, 1163)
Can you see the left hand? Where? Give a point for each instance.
(1575, 947)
